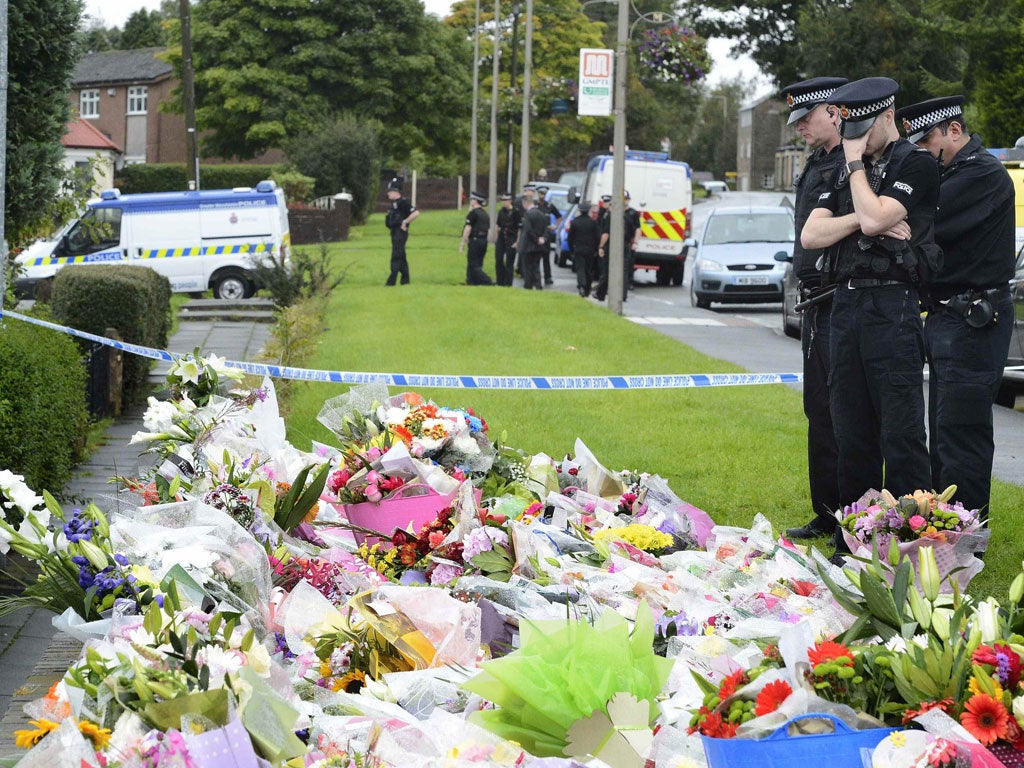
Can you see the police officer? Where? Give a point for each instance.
(818, 123)
(548, 208)
(509, 219)
(529, 192)
(400, 215)
(970, 308)
(474, 240)
(584, 238)
(533, 242)
(877, 224)
(630, 235)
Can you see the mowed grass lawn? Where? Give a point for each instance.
(733, 451)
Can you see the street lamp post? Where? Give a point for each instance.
(512, 84)
(476, 99)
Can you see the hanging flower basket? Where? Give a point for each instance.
(672, 53)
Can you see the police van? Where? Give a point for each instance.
(200, 240)
(662, 191)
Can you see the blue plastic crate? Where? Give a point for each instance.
(841, 749)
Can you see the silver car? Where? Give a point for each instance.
(735, 257)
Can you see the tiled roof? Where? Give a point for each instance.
(83, 135)
(136, 66)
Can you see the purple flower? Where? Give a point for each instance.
(78, 527)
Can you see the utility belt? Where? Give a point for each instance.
(812, 297)
(478, 237)
(975, 306)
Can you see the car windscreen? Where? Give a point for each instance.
(749, 228)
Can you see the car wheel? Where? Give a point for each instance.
(677, 273)
(232, 285)
(663, 276)
(696, 300)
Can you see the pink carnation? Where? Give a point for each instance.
(917, 522)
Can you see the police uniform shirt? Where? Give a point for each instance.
(535, 225)
(400, 211)
(478, 222)
(818, 177)
(509, 220)
(631, 222)
(914, 184)
(974, 225)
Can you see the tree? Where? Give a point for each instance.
(42, 51)
(95, 37)
(270, 70)
(711, 144)
(144, 29)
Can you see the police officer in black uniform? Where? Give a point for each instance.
(877, 226)
(970, 308)
(509, 220)
(548, 208)
(818, 123)
(584, 239)
(474, 240)
(400, 215)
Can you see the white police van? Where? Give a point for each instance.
(198, 240)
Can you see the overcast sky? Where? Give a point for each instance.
(114, 13)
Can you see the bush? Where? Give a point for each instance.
(134, 300)
(307, 277)
(169, 177)
(343, 153)
(43, 420)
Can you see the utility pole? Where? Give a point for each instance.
(188, 91)
(492, 170)
(3, 158)
(524, 142)
(476, 99)
(616, 234)
(509, 184)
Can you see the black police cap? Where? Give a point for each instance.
(542, 190)
(804, 96)
(505, 196)
(478, 197)
(395, 185)
(861, 102)
(919, 119)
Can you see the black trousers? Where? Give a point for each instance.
(532, 269)
(504, 262)
(582, 265)
(965, 368)
(876, 390)
(822, 451)
(476, 252)
(399, 263)
(547, 264)
(627, 274)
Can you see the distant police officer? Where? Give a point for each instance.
(630, 235)
(533, 242)
(584, 238)
(548, 208)
(970, 309)
(818, 123)
(877, 224)
(509, 219)
(474, 240)
(400, 215)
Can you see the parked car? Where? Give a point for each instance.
(573, 178)
(563, 257)
(735, 257)
(1013, 381)
(714, 186)
(791, 320)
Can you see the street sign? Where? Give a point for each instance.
(596, 79)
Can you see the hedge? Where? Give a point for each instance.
(168, 177)
(135, 300)
(43, 419)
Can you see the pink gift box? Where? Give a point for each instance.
(408, 508)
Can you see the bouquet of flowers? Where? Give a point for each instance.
(671, 53)
(913, 521)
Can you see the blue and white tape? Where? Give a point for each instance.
(441, 381)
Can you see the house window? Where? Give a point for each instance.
(89, 103)
(137, 95)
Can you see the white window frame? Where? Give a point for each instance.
(138, 99)
(89, 103)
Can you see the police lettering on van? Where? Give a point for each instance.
(199, 240)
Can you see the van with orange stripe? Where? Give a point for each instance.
(662, 191)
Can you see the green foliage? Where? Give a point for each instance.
(42, 50)
(143, 29)
(711, 143)
(134, 300)
(270, 70)
(43, 420)
(166, 177)
(298, 188)
(306, 277)
(342, 153)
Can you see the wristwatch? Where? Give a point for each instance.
(854, 165)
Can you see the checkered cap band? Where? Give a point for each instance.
(928, 119)
(863, 111)
(811, 97)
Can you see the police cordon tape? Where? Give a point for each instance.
(441, 381)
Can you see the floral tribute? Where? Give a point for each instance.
(921, 515)
(674, 54)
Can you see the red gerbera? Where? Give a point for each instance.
(717, 728)
(771, 697)
(828, 650)
(985, 718)
(1004, 660)
(731, 683)
(944, 704)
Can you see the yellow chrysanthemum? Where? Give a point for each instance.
(100, 736)
(639, 535)
(28, 738)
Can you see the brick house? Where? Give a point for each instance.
(85, 145)
(762, 129)
(119, 94)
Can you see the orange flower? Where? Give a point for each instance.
(828, 651)
(771, 697)
(715, 727)
(731, 683)
(313, 512)
(29, 738)
(985, 718)
(944, 704)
